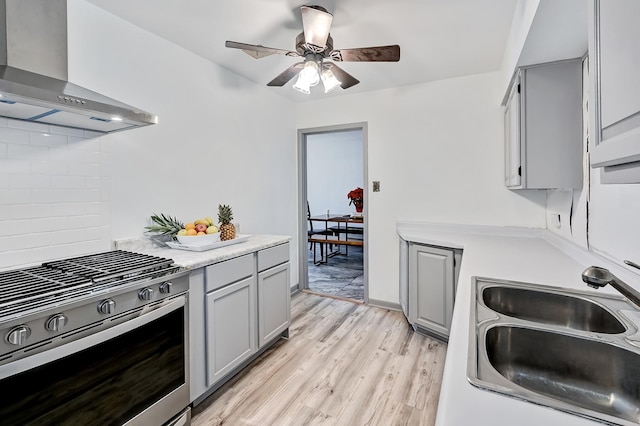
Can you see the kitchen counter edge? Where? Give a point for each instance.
(191, 260)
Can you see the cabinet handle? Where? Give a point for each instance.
(634, 264)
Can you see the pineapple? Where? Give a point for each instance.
(164, 225)
(227, 230)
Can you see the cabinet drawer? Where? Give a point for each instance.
(273, 256)
(229, 271)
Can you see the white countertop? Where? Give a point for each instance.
(519, 254)
(196, 259)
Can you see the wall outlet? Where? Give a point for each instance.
(376, 186)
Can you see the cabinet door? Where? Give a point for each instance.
(404, 277)
(615, 80)
(231, 327)
(274, 303)
(512, 137)
(432, 288)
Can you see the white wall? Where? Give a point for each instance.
(523, 18)
(334, 167)
(437, 149)
(602, 218)
(220, 139)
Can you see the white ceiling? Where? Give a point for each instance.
(438, 38)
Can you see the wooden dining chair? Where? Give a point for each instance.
(311, 232)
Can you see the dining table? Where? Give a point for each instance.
(341, 236)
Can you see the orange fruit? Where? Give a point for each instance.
(191, 231)
(190, 225)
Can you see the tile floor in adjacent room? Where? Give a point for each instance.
(342, 275)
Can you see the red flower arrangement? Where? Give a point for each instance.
(355, 197)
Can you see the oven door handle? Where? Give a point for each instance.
(146, 316)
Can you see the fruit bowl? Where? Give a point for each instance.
(198, 239)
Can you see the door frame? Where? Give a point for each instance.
(303, 269)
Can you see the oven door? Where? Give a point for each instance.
(133, 373)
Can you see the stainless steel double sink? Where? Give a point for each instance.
(569, 350)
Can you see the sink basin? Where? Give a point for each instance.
(551, 308)
(571, 350)
(587, 373)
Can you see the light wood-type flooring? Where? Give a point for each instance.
(344, 364)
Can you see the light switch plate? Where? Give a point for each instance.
(376, 186)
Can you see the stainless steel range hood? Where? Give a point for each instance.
(34, 84)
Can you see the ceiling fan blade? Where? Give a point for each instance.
(258, 51)
(316, 23)
(286, 75)
(367, 54)
(346, 79)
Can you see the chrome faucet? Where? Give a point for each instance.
(597, 277)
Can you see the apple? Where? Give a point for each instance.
(212, 229)
(201, 227)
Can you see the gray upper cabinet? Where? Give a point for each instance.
(543, 127)
(614, 71)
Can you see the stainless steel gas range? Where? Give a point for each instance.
(98, 339)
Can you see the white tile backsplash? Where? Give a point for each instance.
(47, 139)
(29, 181)
(14, 196)
(27, 151)
(53, 193)
(56, 130)
(14, 136)
(28, 211)
(70, 181)
(28, 125)
(84, 169)
(51, 168)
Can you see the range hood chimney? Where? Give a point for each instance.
(34, 84)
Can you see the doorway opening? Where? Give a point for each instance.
(333, 235)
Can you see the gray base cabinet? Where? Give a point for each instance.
(274, 309)
(238, 308)
(428, 278)
(231, 328)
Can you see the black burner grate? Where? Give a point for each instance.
(111, 266)
(26, 289)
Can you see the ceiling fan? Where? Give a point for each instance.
(315, 45)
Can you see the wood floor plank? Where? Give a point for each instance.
(344, 363)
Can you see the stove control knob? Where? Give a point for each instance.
(166, 287)
(107, 306)
(56, 322)
(145, 294)
(18, 335)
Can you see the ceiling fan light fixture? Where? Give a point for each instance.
(308, 77)
(329, 80)
(302, 85)
(310, 72)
